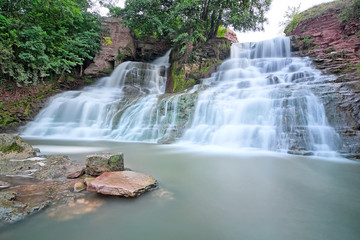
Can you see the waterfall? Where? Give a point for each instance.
(123, 107)
(262, 99)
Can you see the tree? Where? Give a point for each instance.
(292, 17)
(41, 38)
(194, 21)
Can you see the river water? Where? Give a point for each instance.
(207, 193)
(226, 175)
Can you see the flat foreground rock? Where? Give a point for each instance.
(122, 183)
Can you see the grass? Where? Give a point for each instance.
(318, 11)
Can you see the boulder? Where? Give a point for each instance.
(76, 172)
(14, 147)
(104, 162)
(123, 183)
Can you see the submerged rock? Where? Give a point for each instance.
(27, 198)
(28, 183)
(79, 186)
(105, 162)
(123, 183)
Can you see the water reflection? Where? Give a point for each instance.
(162, 194)
(75, 208)
(210, 195)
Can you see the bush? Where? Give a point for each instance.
(351, 12)
(40, 38)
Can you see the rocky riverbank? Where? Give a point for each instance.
(334, 46)
(29, 183)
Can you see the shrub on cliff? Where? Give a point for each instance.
(41, 38)
(349, 10)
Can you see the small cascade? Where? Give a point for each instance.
(262, 99)
(124, 106)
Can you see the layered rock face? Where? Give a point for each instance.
(117, 44)
(205, 60)
(334, 47)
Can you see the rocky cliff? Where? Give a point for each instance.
(119, 45)
(334, 45)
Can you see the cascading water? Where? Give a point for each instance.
(121, 107)
(262, 99)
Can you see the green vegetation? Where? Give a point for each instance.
(12, 148)
(40, 39)
(108, 41)
(292, 18)
(179, 79)
(221, 31)
(190, 22)
(14, 111)
(349, 10)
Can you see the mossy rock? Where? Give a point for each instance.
(14, 147)
(96, 164)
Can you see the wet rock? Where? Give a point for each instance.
(79, 186)
(31, 196)
(88, 180)
(4, 184)
(300, 152)
(205, 60)
(76, 173)
(334, 47)
(55, 168)
(105, 162)
(123, 183)
(32, 184)
(14, 147)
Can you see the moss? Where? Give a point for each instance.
(70, 79)
(107, 41)
(358, 34)
(11, 112)
(89, 80)
(329, 50)
(123, 52)
(5, 118)
(12, 148)
(180, 82)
